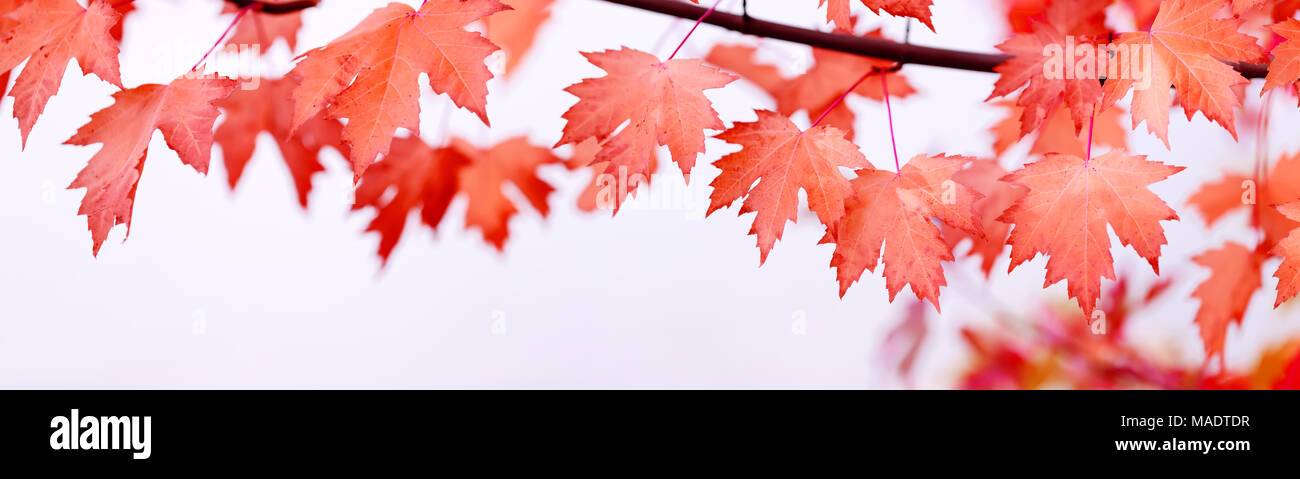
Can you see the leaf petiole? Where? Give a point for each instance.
(697, 25)
(222, 38)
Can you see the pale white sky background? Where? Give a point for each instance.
(652, 298)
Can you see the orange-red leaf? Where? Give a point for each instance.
(1234, 277)
(1233, 191)
(1144, 11)
(1285, 68)
(53, 33)
(782, 159)
(663, 103)
(419, 177)
(837, 11)
(890, 216)
(1284, 9)
(599, 192)
(1057, 135)
(261, 29)
(1288, 273)
(1028, 66)
(1241, 6)
(427, 178)
(269, 108)
(514, 31)
(512, 162)
(739, 59)
(183, 110)
(1190, 44)
(122, 8)
(1086, 20)
(1067, 208)
(981, 176)
(370, 74)
(6, 23)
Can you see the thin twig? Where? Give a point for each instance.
(224, 34)
(889, 110)
(697, 25)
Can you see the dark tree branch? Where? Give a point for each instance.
(866, 46)
(276, 8)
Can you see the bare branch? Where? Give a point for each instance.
(276, 8)
(866, 46)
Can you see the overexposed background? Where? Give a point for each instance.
(246, 290)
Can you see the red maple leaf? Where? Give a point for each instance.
(124, 9)
(1021, 14)
(1284, 9)
(837, 11)
(663, 103)
(1190, 45)
(1234, 277)
(776, 160)
(981, 176)
(183, 110)
(601, 190)
(512, 162)
(269, 108)
(6, 23)
(419, 176)
(1281, 9)
(1236, 191)
(370, 74)
(263, 29)
(515, 30)
(1288, 273)
(1241, 6)
(1057, 134)
(1070, 202)
(49, 34)
(890, 217)
(1028, 66)
(1285, 67)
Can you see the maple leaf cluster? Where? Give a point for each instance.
(1194, 46)
(359, 95)
(368, 76)
(1057, 349)
(911, 219)
(1046, 346)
